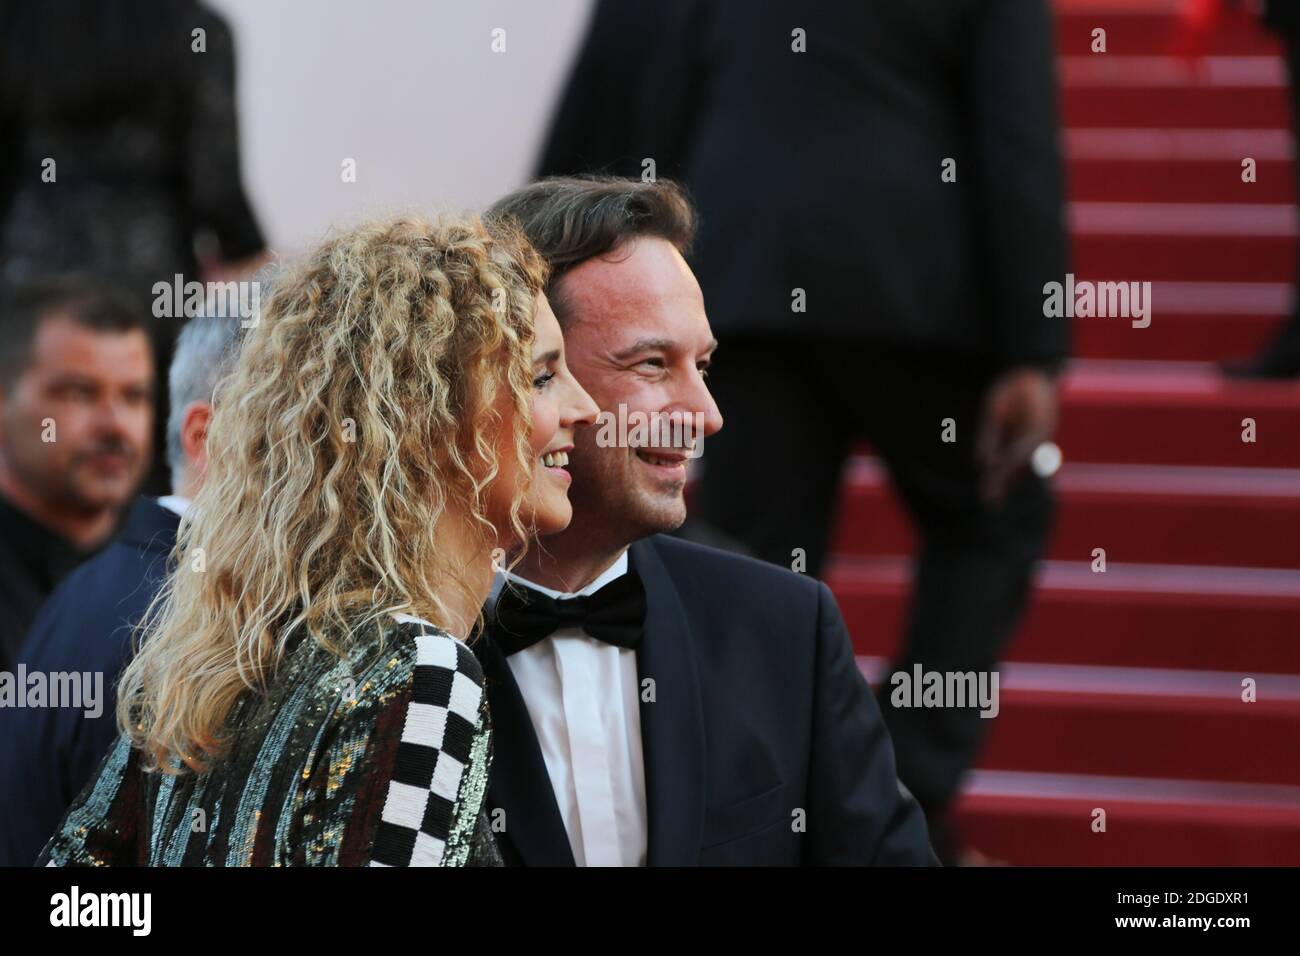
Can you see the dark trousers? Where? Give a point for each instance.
(791, 412)
(1281, 357)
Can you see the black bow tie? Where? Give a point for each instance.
(615, 614)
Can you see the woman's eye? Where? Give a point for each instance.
(543, 380)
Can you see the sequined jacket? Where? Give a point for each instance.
(379, 758)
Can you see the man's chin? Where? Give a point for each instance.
(94, 497)
(661, 513)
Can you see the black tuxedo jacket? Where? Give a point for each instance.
(763, 745)
(822, 170)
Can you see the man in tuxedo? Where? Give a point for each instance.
(48, 754)
(881, 201)
(656, 701)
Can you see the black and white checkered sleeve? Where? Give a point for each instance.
(439, 776)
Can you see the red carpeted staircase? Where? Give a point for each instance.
(1122, 690)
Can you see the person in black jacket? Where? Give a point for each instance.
(881, 205)
(48, 754)
(122, 153)
(76, 412)
(1280, 358)
(658, 702)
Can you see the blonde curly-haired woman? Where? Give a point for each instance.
(303, 693)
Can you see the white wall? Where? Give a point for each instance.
(410, 89)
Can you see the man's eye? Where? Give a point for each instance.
(654, 362)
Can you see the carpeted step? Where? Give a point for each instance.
(1168, 92)
(1203, 242)
(1177, 414)
(1248, 517)
(1034, 819)
(1122, 721)
(1180, 165)
(1135, 27)
(1157, 616)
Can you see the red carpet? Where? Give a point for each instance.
(1123, 690)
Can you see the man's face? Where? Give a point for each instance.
(75, 428)
(637, 337)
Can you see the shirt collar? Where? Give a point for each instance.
(613, 572)
(176, 504)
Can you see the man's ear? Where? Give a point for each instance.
(194, 437)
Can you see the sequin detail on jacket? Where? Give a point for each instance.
(377, 758)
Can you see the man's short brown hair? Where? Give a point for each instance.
(570, 219)
(87, 301)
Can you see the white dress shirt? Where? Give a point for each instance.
(176, 504)
(582, 696)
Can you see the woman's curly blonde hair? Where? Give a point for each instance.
(365, 409)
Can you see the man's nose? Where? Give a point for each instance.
(113, 415)
(702, 406)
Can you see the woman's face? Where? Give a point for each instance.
(559, 406)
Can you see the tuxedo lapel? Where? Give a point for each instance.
(672, 726)
(520, 783)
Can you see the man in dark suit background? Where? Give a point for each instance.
(656, 701)
(1280, 358)
(880, 195)
(48, 754)
(76, 411)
